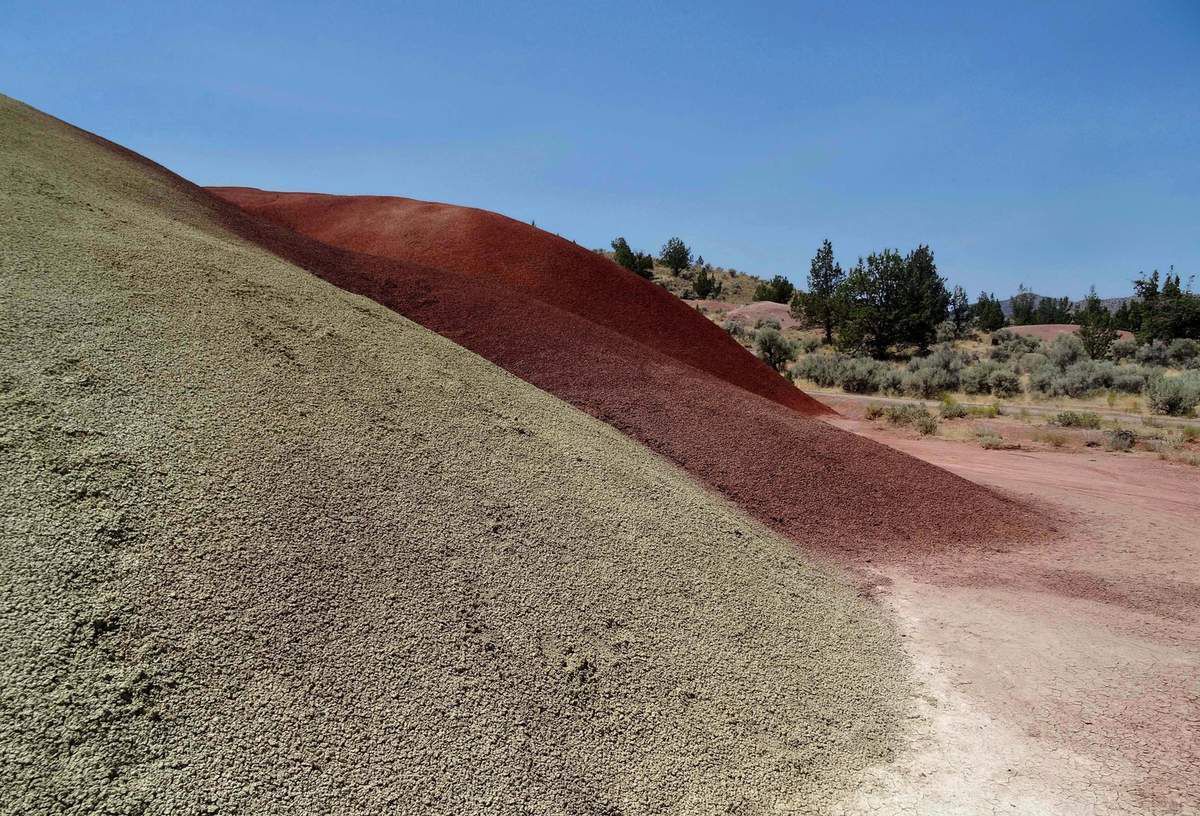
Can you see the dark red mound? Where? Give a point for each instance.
(827, 488)
(526, 259)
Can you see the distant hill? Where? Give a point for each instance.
(736, 287)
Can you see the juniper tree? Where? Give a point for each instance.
(821, 303)
(960, 312)
(675, 256)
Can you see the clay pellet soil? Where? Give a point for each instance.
(269, 547)
(829, 490)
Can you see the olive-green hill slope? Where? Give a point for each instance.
(271, 548)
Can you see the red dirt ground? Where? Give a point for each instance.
(497, 248)
(829, 489)
(1081, 654)
(1048, 331)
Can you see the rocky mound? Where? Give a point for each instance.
(272, 548)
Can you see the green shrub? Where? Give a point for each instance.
(1086, 377)
(1130, 379)
(891, 380)
(990, 440)
(773, 349)
(1183, 351)
(1123, 349)
(1154, 353)
(926, 424)
(928, 382)
(767, 323)
(1081, 379)
(823, 369)
(943, 357)
(985, 411)
(1076, 419)
(1066, 350)
(952, 409)
(778, 289)
(1189, 433)
(809, 344)
(935, 373)
(1174, 396)
(973, 379)
(1004, 382)
(1030, 361)
(875, 410)
(734, 327)
(901, 414)
(860, 375)
(856, 375)
(1007, 346)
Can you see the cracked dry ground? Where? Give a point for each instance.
(1061, 678)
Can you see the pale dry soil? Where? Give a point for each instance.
(1060, 678)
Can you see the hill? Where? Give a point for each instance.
(737, 288)
(273, 548)
(828, 489)
(524, 258)
(1048, 331)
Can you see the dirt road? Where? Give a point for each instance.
(1060, 678)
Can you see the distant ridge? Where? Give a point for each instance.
(1112, 304)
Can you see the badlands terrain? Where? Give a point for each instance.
(318, 504)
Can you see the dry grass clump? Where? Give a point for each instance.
(1056, 439)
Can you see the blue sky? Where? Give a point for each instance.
(1055, 144)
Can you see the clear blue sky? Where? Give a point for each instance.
(1056, 144)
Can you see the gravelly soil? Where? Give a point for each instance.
(829, 490)
(269, 547)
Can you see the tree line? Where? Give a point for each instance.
(884, 301)
(889, 301)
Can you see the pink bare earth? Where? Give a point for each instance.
(1059, 678)
(751, 313)
(1048, 331)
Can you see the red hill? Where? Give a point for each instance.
(827, 488)
(525, 259)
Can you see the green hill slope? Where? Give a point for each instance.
(271, 548)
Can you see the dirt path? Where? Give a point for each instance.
(1061, 678)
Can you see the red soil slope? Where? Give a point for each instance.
(1048, 331)
(526, 259)
(829, 489)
